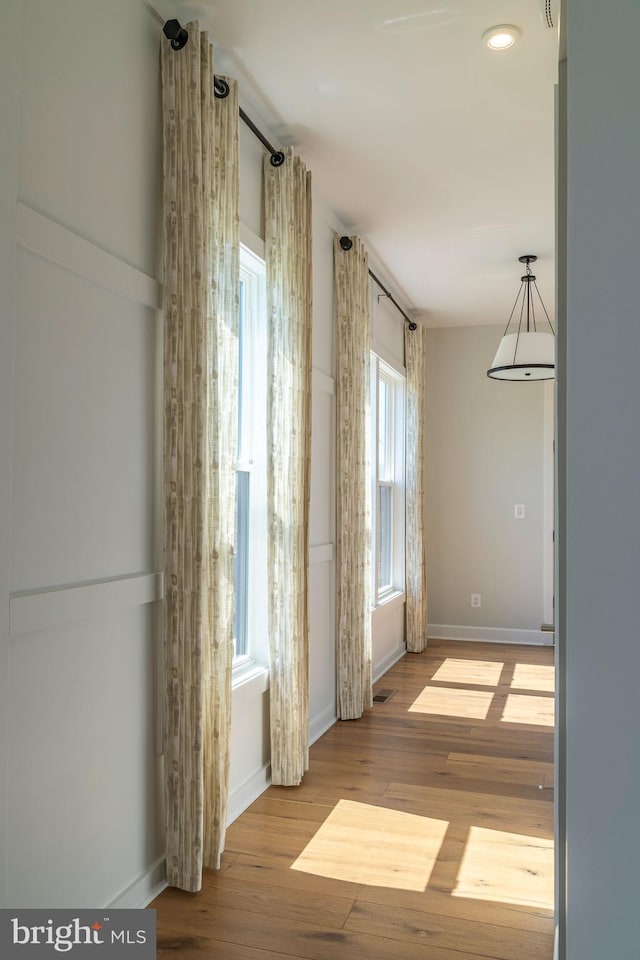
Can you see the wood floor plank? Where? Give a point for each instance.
(502, 769)
(434, 930)
(303, 792)
(414, 833)
(273, 872)
(293, 903)
(439, 901)
(287, 808)
(513, 814)
(295, 939)
(265, 836)
(363, 843)
(187, 947)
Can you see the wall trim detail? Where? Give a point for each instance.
(323, 722)
(548, 503)
(36, 610)
(379, 669)
(397, 599)
(386, 355)
(321, 553)
(48, 239)
(322, 381)
(248, 791)
(439, 631)
(251, 241)
(142, 891)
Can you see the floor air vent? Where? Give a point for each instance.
(383, 695)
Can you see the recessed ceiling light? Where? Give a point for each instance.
(501, 37)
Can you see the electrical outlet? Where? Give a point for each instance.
(518, 511)
(476, 600)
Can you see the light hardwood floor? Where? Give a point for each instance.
(420, 831)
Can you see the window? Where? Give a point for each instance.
(250, 560)
(387, 432)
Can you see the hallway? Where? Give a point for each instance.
(420, 830)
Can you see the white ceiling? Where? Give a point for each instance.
(437, 151)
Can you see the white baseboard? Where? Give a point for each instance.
(379, 669)
(320, 724)
(147, 887)
(142, 891)
(248, 791)
(255, 785)
(439, 631)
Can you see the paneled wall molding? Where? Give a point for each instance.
(439, 631)
(322, 382)
(39, 234)
(321, 553)
(33, 611)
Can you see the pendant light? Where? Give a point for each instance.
(527, 353)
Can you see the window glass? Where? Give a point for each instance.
(385, 539)
(249, 563)
(241, 567)
(383, 427)
(387, 445)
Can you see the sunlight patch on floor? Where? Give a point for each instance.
(507, 868)
(361, 843)
(532, 676)
(532, 710)
(481, 672)
(453, 703)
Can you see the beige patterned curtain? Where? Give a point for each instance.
(201, 268)
(288, 260)
(415, 345)
(354, 656)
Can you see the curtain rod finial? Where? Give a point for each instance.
(176, 34)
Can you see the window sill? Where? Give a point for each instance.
(250, 672)
(390, 601)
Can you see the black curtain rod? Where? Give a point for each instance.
(178, 37)
(221, 90)
(346, 243)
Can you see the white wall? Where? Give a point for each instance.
(83, 429)
(80, 501)
(9, 161)
(485, 453)
(599, 449)
(322, 527)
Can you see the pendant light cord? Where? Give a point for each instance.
(520, 291)
(544, 308)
